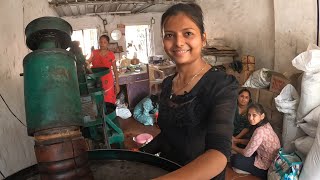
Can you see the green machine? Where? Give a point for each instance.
(50, 78)
(52, 101)
(101, 126)
(80, 64)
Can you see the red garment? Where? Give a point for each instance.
(107, 80)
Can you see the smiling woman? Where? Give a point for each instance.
(197, 103)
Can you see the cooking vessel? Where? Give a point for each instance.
(115, 164)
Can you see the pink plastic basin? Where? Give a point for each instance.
(143, 138)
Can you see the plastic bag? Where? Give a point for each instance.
(258, 79)
(285, 167)
(288, 99)
(309, 62)
(309, 129)
(123, 113)
(287, 102)
(304, 144)
(311, 168)
(313, 117)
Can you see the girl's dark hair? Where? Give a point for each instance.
(192, 10)
(246, 90)
(105, 36)
(260, 110)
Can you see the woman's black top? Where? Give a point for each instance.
(197, 121)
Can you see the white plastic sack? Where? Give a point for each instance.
(313, 117)
(287, 102)
(290, 133)
(309, 129)
(258, 79)
(311, 168)
(310, 98)
(123, 113)
(309, 62)
(304, 144)
(288, 99)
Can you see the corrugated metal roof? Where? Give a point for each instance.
(87, 7)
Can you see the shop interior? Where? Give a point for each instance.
(52, 101)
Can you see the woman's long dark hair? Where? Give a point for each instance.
(260, 110)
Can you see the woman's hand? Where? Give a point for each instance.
(235, 140)
(88, 67)
(206, 166)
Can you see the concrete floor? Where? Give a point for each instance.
(132, 128)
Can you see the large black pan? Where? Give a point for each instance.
(115, 164)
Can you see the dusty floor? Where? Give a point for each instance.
(132, 128)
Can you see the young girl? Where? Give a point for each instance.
(262, 148)
(197, 104)
(105, 58)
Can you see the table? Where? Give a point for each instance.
(137, 86)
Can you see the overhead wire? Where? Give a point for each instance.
(12, 111)
(317, 22)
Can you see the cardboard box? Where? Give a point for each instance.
(230, 71)
(278, 82)
(295, 81)
(268, 112)
(266, 99)
(241, 77)
(254, 94)
(248, 67)
(247, 59)
(244, 76)
(278, 131)
(277, 119)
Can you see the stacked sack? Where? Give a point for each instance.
(287, 102)
(308, 113)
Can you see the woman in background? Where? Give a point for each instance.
(262, 148)
(241, 123)
(197, 103)
(104, 58)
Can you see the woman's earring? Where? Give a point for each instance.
(204, 44)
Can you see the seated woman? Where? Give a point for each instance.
(241, 124)
(262, 148)
(146, 110)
